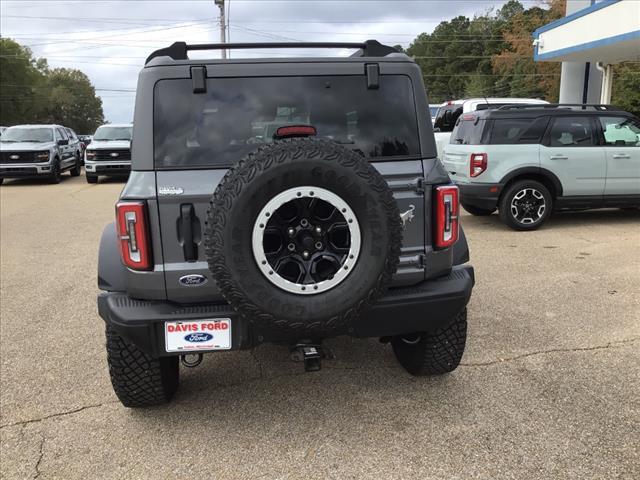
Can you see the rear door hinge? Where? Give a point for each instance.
(419, 185)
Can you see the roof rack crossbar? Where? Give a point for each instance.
(584, 106)
(178, 50)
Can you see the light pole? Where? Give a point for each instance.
(220, 4)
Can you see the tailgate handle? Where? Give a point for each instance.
(187, 218)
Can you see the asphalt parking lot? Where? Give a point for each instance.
(548, 387)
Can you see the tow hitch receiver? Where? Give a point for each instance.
(311, 355)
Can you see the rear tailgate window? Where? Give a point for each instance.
(468, 131)
(237, 115)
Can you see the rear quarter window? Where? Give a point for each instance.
(237, 115)
(511, 131)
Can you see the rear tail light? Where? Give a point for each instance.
(447, 209)
(477, 164)
(135, 247)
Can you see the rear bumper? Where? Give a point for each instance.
(424, 307)
(480, 195)
(108, 167)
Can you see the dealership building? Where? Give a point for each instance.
(593, 36)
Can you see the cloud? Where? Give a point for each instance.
(109, 40)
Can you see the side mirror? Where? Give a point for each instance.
(63, 142)
(448, 117)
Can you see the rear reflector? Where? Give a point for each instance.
(447, 209)
(477, 164)
(135, 248)
(295, 131)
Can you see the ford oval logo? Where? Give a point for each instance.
(14, 157)
(193, 280)
(198, 337)
(114, 154)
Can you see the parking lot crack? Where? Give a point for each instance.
(37, 472)
(613, 344)
(55, 415)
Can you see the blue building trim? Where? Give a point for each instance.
(586, 46)
(569, 18)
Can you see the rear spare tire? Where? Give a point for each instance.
(302, 235)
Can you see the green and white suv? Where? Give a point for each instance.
(527, 161)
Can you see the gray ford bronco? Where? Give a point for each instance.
(283, 201)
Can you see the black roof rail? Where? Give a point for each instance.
(178, 50)
(583, 106)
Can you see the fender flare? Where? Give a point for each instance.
(111, 272)
(460, 251)
(520, 172)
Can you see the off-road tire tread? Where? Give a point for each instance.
(92, 178)
(138, 379)
(434, 354)
(232, 185)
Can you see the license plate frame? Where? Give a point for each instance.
(209, 334)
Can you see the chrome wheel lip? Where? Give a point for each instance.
(295, 194)
(533, 215)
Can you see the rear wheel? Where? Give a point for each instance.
(433, 354)
(478, 212)
(138, 379)
(525, 205)
(75, 171)
(92, 178)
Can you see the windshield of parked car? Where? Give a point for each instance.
(113, 133)
(21, 134)
(236, 115)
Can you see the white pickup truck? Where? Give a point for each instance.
(449, 112)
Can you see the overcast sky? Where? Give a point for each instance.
(109, 39)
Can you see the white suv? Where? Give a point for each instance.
(527, 161)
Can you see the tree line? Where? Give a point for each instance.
(31, 92)
(492, 55)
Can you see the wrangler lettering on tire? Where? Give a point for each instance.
(320, 216)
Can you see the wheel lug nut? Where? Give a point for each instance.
(291, 247)
(291, 231)
(305, 254)
(318, 245)
(304, 223)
